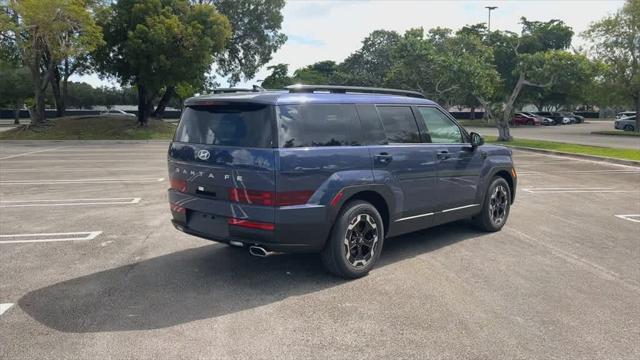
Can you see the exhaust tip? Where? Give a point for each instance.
(258, 251)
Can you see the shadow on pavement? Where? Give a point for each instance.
(201, 283)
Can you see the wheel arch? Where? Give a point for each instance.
(503, 173)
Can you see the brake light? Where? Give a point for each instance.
(251, 197)
(268, 198)
(179, 185)
(293, 197)
(251, 224)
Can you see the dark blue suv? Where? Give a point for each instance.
(330, 169)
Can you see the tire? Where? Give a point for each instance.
(628, 128)
(366, 246)
(492, 218)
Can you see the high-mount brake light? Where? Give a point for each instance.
(268, 198)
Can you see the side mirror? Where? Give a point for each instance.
(476, 139)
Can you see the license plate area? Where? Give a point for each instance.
(207, 223)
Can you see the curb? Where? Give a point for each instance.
(581, 156)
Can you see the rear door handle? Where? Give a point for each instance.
(384, 158)
(442, 154)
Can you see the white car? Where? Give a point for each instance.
(624, 114)
(115, 112)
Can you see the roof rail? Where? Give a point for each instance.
(299, 88)
(255, 88)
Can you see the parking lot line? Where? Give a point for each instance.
(4, 307)
(30, 152)
(576, 190)
(77, 181)
(69, 202)
(630, 217)
(49, 237)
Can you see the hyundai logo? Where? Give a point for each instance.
(203, 154)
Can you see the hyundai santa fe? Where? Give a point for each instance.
(330, 169)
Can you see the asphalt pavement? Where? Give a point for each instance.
(573, 134)
(90, 267)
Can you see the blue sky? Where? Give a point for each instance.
(332, 29)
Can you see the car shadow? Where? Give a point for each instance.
(201, 283)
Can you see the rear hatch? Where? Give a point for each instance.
(221, 168)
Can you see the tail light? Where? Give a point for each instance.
(251, 224)
(268, 198)
(179, 185)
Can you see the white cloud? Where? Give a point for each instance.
(331, 30)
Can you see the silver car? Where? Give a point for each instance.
(626, 123)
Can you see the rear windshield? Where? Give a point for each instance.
(227, 125)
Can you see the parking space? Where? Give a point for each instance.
(90, 266)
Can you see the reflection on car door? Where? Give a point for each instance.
(459, 164)
(403, 163)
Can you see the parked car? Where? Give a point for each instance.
(116, 112)
(543, 120)
(558, 118)
(627, 123)
(623, 114)
(524, 119)
(575, 119)
(330, 169)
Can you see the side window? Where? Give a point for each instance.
(439, 127)
(317, 125)
(399, 124)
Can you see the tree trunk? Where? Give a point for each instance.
(37, 113)
(144, 108)
(16, 113)
(637, 127)
(57, 94)
(164, 100)
(473, 113)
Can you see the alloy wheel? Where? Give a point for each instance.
(498, 205)
(360, 240)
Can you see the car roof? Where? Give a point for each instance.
(288, 98)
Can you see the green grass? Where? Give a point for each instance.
(93, 128)
(616, 153)
(616, 133)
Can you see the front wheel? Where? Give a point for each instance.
(355, 242)
(496, 206)
(628, 128)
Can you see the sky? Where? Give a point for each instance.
(332, 29)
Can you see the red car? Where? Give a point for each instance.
(522, 119)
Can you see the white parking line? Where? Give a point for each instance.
(49, 237)
(576, 190)
(4, 307)
(30, 152)
(77, 181)
(69, 202)
(93, 161)
(630, 217)
(603, 163)
(578, 172)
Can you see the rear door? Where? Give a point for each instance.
(224, 152)
(459, 164)
(402, 161)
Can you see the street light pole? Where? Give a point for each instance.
(489, 22)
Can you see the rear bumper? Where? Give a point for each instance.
(302, 228)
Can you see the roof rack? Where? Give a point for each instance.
(255, 88)
(337, 89)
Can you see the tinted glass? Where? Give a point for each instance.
(439, 127)
(316, 125)
(399, 124)
(229, 125)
